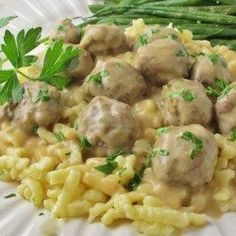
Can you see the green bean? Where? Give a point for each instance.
(229, 2)
(194, 15)
(231, 44)
(176, 3)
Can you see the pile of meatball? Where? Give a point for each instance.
(112, 86)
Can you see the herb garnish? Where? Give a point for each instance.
(221, 88)
(142, 40)
(187, 95)
(181, 53)
(110, 164)
(137, 178)
(97, 78)
(197, 143)
(232, 135)
(41, 213)
(6, 20)
(85, 143)
(60, 136)
(163, 152)
(214, 58)
(162, 130)
(17, 52)
(43, 95)
(10, 195)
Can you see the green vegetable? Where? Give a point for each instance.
(56, 60)
(107, 168)
(181, 53)
(5, 20)
(163, 152)
(16, 49)
(41, 213)
(188, 95)
(220, 89)
(97, 78)
(214, 58)
(162, 130)
(110, 164)
(232, 135)
(143, 40)
(85, 143)
(137, 178)
(43, 95)
(197, 143)
(35, 128)
(10, 195)
(60, 136)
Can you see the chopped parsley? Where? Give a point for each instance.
(107, 168)
(60, 136)
(10, 195)
(85, 143)
(162, 130)
(61, 28)
(188, 95)
(41, 213)
(137, 178)
(220, 89)
(163, 152)
(43, 96)
(110, 164)
(171, 36)
(143, 40)
(232, 135)
(35, 128)
(181, 52)
(214, 58)
(197, 143)
(97, 78)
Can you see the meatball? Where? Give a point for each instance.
(116, 79)
(7, 111)
(108, 125)
(207, 68)
(185, 102)
(67, 32)
(226, 110)
(162, 60)
(185, 155)
(40, 106)
(80, 66)
(103, 39)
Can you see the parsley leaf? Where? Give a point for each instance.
(43, 95)
(162, 130)
(143, 40)
(197, 143)
(5, 20)
(85, 143)
(9, 82)
(10, 195)
(232, 135)
(181, 52)
(16, 49)
(163, 152)
(188, 95)
(56, 60)
(137, 178)
(97, 78)
(17, 93)
(221, 88)
(60, 136)
(214, 58)
(107, 168)
(110, 164)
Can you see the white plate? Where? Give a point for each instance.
(19, 217)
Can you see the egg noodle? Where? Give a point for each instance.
(51, 173)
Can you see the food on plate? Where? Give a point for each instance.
(113, 123)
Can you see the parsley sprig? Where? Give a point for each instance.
(220, 89)
(197, 143)
(6, 20)
(110, 164)
(17, 51)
